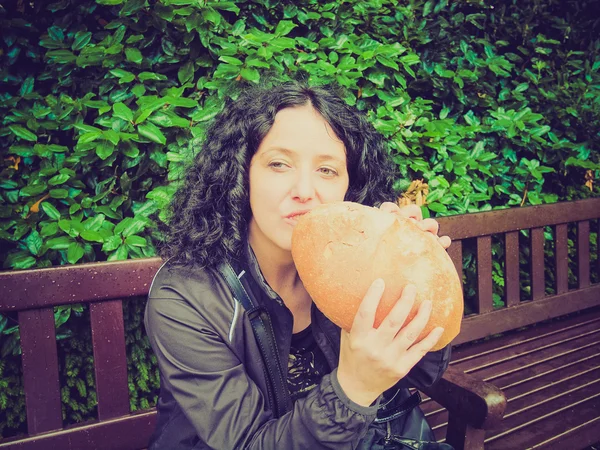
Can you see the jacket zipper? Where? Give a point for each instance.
(388, 435)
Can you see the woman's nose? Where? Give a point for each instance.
(304, 188)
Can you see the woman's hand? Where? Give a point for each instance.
(414, 212)
(373, 360)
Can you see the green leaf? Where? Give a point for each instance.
(181, 101)
(112, 243)
(34, 189)
(34, 242)
(250, 74)
(61, 56)
(136, 241)
(522, 87)
(20, 260)
(134, 55)
(94, 223)
(136, 225)
(152, 132)
(58, 179)
(111, 136)
(27, 86)
(59, 193)
(284, 27)
(104, 150)
(231, 60)
(186, 73)
(123, 75)
(387, 62)
(166, 119)
(122, 111)
(23, 133)
(86, 138)
(50, 210)
(82, 38)
(59, 243)
(144, 76)
(49, 230)
(91, 235)
(75, 252)
(121, 254)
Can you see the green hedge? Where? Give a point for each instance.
(493, 104)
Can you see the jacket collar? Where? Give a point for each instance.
(326, 332)
(252, 264)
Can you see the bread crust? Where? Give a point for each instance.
(340, 248)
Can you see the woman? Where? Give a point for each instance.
(269, 156)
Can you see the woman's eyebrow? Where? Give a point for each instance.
(291, 153)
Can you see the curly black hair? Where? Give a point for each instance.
(208, 217)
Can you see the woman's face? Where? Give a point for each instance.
(300, 164)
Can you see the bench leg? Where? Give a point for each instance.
(462, 436)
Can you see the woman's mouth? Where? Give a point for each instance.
(292, 219)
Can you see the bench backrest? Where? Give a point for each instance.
(487, 320)
(34, 293)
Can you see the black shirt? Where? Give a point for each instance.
(306, 364)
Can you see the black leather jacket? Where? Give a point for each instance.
(213, 388)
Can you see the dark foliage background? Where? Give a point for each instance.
(102, 103)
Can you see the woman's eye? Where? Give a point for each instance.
(328, 171)
(277, 165)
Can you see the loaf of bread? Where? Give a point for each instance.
(340, 248)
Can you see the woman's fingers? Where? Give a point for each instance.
(411, 212)
(445, 241)
(430, 225)
(411, 332)
(390, 207)
(417, 351)
(393, 322)
(365, 316)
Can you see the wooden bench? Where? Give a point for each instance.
(475, 406)
(550, 372)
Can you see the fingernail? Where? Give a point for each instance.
(378, 283)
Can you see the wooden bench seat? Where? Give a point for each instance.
(550, 374)
(549, 371)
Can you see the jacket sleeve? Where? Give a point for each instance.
(429, 370)
(225, 406)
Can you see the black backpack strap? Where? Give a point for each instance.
(263, 331)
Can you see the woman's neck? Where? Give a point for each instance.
(279, 271)
(277, 267)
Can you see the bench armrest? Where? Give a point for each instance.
(477, 403)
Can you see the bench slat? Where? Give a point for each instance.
(561, 258)
(558, 377)
(598, 249)
(512, 364)
(456, 254)
(511, 339)
(110, 363)
(67, 285)
(511, 268)
(537, 263)
(40, 370)
(484, 274)
(584, 434)
(564, 386)
(535, 427)
(583, 253)
(125, 433)
(526, 313)
(514, 219)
